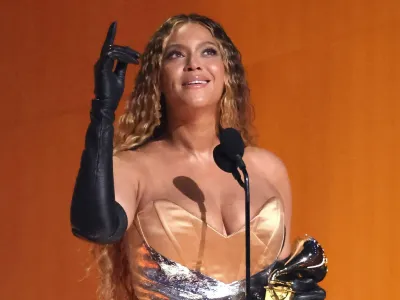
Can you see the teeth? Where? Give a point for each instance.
(197, 82)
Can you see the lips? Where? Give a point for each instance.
(195, 82)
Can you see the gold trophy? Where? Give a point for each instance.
(307, 260)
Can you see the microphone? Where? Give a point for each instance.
(226, 164)
(228, 157)
(228, 154)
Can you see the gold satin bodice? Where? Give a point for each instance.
(172, 232)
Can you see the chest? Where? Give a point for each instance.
(209, 194)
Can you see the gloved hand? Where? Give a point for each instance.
(109, 84)
(307, 289)
(95, 215)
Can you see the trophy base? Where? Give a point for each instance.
(278, 293)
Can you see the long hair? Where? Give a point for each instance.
(145, 118)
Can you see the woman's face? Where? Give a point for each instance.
(192, 72)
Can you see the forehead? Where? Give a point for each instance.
(189, 33)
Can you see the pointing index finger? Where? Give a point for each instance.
(110, 37)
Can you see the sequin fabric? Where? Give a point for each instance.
(161, 278)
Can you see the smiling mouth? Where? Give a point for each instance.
(196, 83)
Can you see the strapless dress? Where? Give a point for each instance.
(176, 255)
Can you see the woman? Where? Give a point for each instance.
(169, 224)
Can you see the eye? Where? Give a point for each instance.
(210, 52)
(174, 54)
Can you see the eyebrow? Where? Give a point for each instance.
(177, 45)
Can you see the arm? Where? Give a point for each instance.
(99, 209)
(305, 288)
(105, 193)
(274, 171)
(279, 177)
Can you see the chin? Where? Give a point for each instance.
(199, 102)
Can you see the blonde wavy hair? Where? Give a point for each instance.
(145, 118)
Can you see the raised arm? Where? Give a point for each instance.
(98, 213)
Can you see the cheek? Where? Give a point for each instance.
(169, 75)
(218, 71)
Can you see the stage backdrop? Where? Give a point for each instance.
(324, 77)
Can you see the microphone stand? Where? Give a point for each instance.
(246, 186)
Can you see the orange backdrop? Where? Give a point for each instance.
(324, 77)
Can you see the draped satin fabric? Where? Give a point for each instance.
(165, 233)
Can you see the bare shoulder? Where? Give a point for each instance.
(138, 157)
(129, 168)
(127, 157)
(274, 170)
(266, 162)
(271, 167)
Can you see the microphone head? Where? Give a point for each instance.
(231, 143)
(223, 162)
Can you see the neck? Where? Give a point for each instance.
(194, 133)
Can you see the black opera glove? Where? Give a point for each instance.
(306, 289)
(94, 214)
(109, 84)
(297, 277)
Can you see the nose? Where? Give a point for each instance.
(192, 63)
